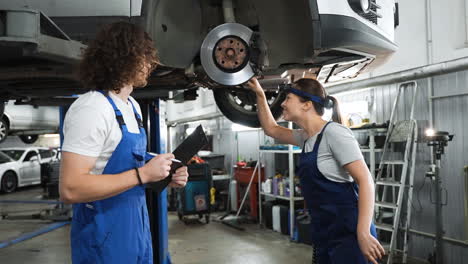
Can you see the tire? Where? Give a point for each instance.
(239, 105)
(29, 139)
(4, 129)
(9, 182)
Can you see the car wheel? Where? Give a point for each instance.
(9, 182)
(240, 105)
(2, 108)
(29, 139)
(3, 129)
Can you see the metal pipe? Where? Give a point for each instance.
(466, 23)
(272, 83)
(31, 202)
(448, 239)
(30, 235)
(228, 11)
(403, 76)
(429, 55)
(292, 216)
(448, 96)
(439, 247)
(193, 119)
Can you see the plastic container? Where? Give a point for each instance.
(233, 193)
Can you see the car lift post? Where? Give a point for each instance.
(157, 202)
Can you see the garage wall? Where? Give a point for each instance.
(449, 115)
(421, 43)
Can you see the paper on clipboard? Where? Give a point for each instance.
(184, 152)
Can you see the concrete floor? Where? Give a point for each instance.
(188, 244)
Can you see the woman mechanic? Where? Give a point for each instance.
(335, 181)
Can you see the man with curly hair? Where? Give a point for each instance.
(103, 168)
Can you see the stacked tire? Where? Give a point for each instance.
(50, 179)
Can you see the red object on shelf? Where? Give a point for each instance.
(241, 164)
(243, 176)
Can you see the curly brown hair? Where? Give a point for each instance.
(117, 57)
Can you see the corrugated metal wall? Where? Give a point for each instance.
(450, 114)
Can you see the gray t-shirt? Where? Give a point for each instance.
(337, 148)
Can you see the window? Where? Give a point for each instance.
(4, 158)
(45, 153)
(14, 154)
(356, 113)
(30, 155)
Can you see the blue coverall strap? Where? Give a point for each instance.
(319, 137)
(118, 114)
(137, 115)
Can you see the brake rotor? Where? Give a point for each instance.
(225, 54)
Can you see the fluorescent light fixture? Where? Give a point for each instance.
(237, 128)
(355, 107)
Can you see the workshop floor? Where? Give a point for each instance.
(188, 244)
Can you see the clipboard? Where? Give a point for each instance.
(184, 152)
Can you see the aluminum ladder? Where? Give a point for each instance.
(392, 182)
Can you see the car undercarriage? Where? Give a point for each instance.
(212, 44)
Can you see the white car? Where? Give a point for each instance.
(22, 166)
(218, 45)
(28, 122)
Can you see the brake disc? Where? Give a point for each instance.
(225, 54)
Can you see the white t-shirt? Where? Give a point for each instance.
(337, 148)
(91, 129)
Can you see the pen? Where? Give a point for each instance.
(173, 160)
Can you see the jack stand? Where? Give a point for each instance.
(438, 141)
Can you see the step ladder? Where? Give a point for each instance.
(392, 184)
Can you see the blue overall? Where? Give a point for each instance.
(116, 229)
(334, 212)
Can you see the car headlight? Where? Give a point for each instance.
(360, 5)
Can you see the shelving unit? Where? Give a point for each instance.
(282, 197)
(372, 150)
(291, 198)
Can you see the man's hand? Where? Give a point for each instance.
(179, 178)
(157, 168)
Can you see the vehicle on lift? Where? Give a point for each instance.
(217, 44)
(28, 122)
(23, 166)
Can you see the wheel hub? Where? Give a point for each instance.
(225, 56)
(231, 54)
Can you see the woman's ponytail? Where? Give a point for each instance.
(336, 116)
